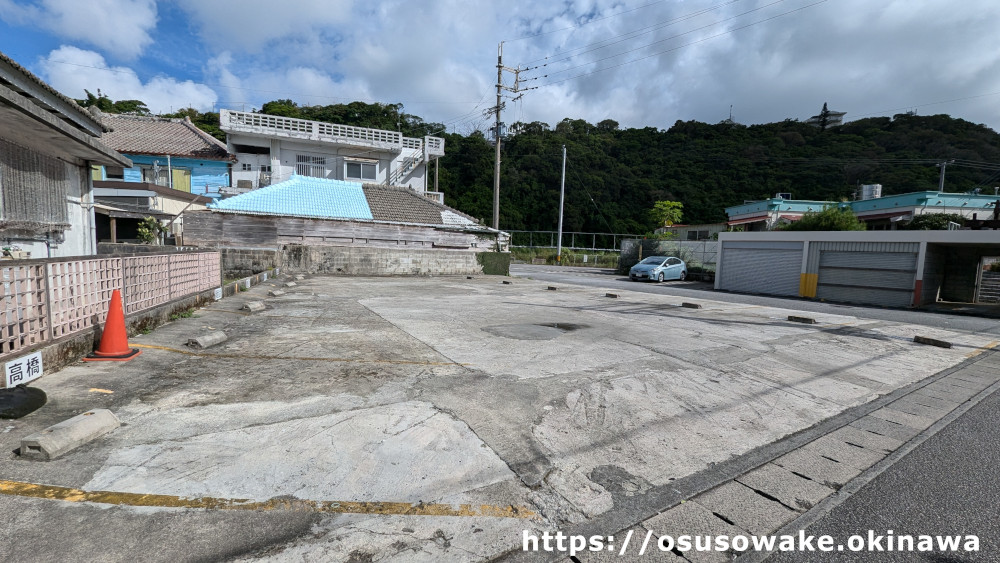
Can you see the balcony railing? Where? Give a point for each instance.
(278, 126)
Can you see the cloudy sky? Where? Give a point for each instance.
(639, 62)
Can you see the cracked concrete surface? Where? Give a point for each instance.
(452, 391)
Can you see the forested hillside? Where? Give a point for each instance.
(615, 175)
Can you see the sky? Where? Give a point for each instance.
(642, 63)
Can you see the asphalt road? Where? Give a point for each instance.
(949, 485)
(603, 278)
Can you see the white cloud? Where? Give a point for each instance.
(119, 27)
(438, 58)
(249, 25)
(72, 70)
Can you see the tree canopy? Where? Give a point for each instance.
(667, 212)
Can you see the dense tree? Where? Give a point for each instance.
(104, 103)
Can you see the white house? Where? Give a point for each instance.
(271, 148)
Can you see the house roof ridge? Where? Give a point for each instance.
(205, 135)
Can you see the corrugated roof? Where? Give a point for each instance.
(301, 196)
(69, 101)
(403, 205)
(162, 136)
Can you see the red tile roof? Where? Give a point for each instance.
(134, 134)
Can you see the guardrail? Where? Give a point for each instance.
(570, 240)
(44, 300)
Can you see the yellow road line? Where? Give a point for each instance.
(68, 494)
(305, 359)
(989, 346)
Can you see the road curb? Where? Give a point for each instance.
(831, 502)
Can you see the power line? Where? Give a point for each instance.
(930, 104)
(219, 86)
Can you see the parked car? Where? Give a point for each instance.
(659, 268)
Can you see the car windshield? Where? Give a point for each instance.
(653, 260)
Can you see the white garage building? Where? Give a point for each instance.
(890, 268)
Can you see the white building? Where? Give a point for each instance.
(271, 148)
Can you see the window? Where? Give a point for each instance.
(266, 168)
(155, 175)
(692, 235)
(306, 165)
(246, 167)
(358, 170)
(114, 172)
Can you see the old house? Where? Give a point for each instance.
(48, 145)
(333, 226)
(172, 153)
(176, 167)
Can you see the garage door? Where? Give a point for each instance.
(876, 278)
(767, 269)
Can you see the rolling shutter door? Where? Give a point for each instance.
(877, 278)
(761, 270)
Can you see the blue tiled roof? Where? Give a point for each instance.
(302, 196)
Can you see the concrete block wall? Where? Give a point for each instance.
(242, 262)
(366, 261)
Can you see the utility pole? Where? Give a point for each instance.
(943, 165)
(562, 196)
(496, 139)
(498, 124)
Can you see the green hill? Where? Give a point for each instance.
(614, 175)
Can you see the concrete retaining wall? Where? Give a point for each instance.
(242, 262)
(357, 261)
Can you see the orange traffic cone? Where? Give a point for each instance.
(114, 339)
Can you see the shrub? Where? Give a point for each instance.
(832, 218)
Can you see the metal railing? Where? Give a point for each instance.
(570, 240)
(43, 300)
(259, 123)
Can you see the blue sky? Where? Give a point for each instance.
(639, 62)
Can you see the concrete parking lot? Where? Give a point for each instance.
(518, 406)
